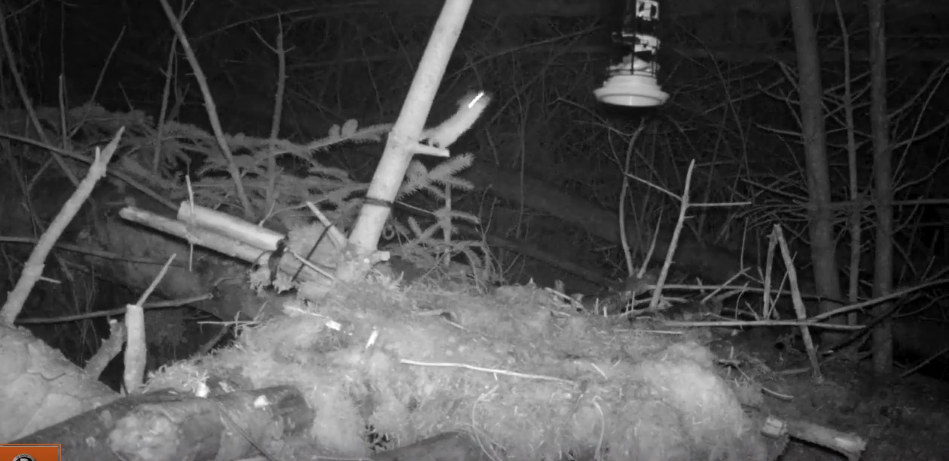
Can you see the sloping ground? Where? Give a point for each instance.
(900, 418)
(903, 420)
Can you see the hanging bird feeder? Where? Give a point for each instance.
(632, 82)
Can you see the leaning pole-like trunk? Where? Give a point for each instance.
(815, 149)
(883, 179)
(356, 260)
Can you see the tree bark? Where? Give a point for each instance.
(883, 173)
(821, 230)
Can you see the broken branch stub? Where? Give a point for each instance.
(356, 259)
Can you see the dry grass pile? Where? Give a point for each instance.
(531, 381)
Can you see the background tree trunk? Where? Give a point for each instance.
(821, 227)
(883, 172)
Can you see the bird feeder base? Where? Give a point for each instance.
(631, 91)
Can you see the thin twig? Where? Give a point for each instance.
(683, 209)
(652, 248)
(212, 111)
(277, 116)
(798, 302)
(495, 371)
(174, 303)
(920, 365)
(765, 323)
(24, 96)
(624, 239)
(170, 70)
(878, 300)
(95, 89)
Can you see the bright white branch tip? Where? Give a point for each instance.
(475, 99)
(470, 109)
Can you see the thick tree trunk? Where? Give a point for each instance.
(823, 248)
(883, 169)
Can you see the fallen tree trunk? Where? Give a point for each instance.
(132, 255)
(164, 426)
